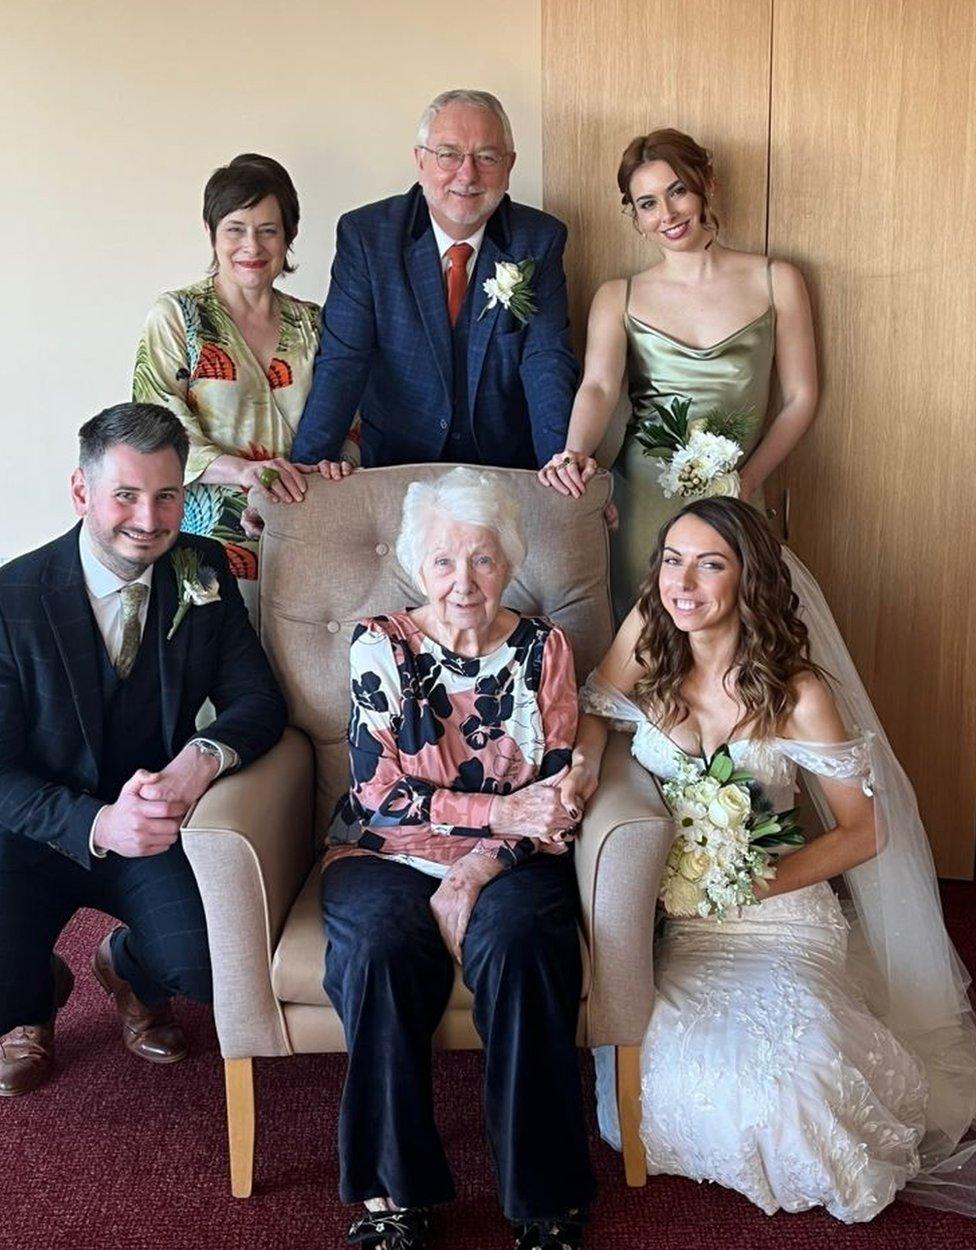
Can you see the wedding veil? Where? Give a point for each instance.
(906, 965)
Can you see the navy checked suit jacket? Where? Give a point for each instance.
(386, 343)
(51, 705)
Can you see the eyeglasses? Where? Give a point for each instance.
(450, 160)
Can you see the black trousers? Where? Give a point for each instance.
(162, 952)
(389, 976)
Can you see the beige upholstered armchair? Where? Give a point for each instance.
(254, 838)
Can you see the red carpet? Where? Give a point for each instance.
(117, 1153)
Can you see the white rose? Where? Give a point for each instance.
(507, 277)
(694, 865)
(730, 807)
(726, 484)
(680, 897)
(201, 593)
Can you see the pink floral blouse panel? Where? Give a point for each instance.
(434, 735)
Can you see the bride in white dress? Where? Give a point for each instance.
(799, 1053)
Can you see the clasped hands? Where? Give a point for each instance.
(145, 819)
(547, 811)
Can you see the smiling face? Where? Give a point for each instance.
(250, 246)
(699, 577)
(462, 200)
(464, 575)
(666, 211)
(132, 505)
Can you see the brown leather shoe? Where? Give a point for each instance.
(149, 1032)
(26, 1052)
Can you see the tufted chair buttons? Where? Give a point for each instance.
(382, 549)
(333, 627)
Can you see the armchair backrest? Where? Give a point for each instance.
(329, 561)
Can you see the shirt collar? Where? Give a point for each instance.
(101, 582)
(444, 241)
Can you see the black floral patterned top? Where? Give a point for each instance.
(434, 735)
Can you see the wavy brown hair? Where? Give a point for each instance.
(774, 646)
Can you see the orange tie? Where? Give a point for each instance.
(457, 277)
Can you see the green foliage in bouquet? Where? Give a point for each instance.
(668, 431)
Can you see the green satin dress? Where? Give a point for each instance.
(731, 376)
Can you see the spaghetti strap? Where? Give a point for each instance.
(627, 295)
(769, 281)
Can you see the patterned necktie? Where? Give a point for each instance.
(133, 597)
(457, 277)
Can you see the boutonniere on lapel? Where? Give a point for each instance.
(197, 584)
(511, 287)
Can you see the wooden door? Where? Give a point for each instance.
(872, 191)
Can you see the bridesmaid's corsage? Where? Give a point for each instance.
(196, 582)
(511, 288)
(698, 457)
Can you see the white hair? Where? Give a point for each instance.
(462, 95)
(469, 498)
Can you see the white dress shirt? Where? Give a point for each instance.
(104, 587)
(444, 241)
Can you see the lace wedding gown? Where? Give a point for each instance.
(763, 1068)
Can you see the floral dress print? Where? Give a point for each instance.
(193, 359)
(434, 735)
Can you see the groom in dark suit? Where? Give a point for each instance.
(111, 639)
(408, 336)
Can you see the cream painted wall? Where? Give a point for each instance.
(112, 116)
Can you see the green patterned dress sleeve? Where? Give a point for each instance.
(193, 359)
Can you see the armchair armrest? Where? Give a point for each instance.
(620, 854)
(250, 843)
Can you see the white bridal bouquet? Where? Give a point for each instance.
(725, 828)
(698, 457)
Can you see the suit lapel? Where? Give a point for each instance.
(172, 653)
(482, 329)
(72, 622)
(423, 265)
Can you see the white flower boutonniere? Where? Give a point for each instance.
(196, 582)
(511, 287)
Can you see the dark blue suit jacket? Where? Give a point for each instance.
(51, 704)
(386, 343)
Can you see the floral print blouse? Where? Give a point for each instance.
(193, 359)
(434, 735)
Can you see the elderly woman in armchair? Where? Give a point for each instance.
(452, 844)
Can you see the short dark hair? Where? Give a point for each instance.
(244, 183)
(144, 427)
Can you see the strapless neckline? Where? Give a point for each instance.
(687, 347)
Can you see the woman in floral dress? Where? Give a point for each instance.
(232, 357)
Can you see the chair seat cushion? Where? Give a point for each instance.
(298, 966)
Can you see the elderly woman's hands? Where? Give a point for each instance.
(453, 901)
(535, 811)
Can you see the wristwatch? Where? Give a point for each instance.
(212, 749)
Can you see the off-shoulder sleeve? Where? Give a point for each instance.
(161, 376)
(846, 762)
(599, 698)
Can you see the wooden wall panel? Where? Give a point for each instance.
(864, 111)
(620, 68)
(873, 193)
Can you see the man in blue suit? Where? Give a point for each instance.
(408, 336)
(111, 639)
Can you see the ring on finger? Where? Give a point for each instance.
(268, 477)
(566, 460)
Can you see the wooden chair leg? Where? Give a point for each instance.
(239, 1082)
(628, 1113)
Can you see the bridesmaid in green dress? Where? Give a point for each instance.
(706, 324)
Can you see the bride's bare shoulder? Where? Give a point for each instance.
(815, 717)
